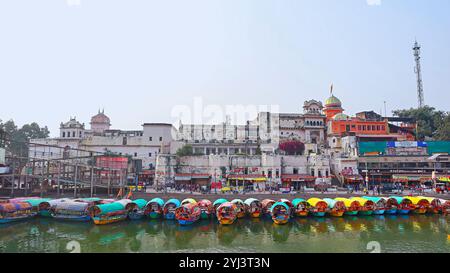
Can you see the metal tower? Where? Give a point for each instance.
(418, 71)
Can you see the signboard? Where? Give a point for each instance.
(406, 144)
(2, 156)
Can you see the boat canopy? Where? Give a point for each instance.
(220, 201)
(362, 201)
(416, 200)
(174, 201)
(348, 202)
(374, 199)
(158, 201)
(205, 202)
(279, 204)
(297, 201)
(140, 203)
(315, 201)
(36, 201)
(331, 202)
(397, 198)
(189, 200)
(249, 201)
(237, 201)
(107, 208)
(71, 206)
(14, 206)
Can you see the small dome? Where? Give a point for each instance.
(341, 116)
(333, 102)
(100, 118)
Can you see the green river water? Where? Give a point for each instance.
(414, 233)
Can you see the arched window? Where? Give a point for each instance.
(64, 134)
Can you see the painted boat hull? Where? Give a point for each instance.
(352, 213)
(84, 218)
(256, 215)
(420, 211)
(170, 216)
(337, 213)
(378, 212)
(403, 211)
(366, 212)
(226, 221)
(302, 214)
(204, 216)
(391, 211)
(318, 214)
(109, 220)
(154, 215)
(241, 215)
(15, 219)
(280, 222)
(186, 222)
(135, 216)
(45, 213)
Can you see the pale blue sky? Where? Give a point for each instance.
(140, 58)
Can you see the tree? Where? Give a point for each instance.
(429, 121)
(186, 150)
(443, 132)
(292, 147)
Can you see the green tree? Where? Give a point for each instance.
(428, 119)
(443, 132)
(186, 150)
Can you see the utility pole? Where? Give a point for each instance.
(418, 71)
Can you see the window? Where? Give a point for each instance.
(64, 134)
(378, 127)
(160, 138)
(373, 128)
(149, 154)
(359, 127)
(73, 134)
(364, 127)
(135, 154)
(150, 138)
(382, 127)
(368, 127)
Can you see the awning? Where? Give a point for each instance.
(247, 177)
(190, 176)
(297, 178)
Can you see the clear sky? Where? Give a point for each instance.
(140, 58)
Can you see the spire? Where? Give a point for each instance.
(331, 89)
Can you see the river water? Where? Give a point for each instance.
(413, 233)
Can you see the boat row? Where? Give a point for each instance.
(189, 211)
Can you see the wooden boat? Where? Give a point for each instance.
(45, 206)
(352, 207)
(170, 207)
(217, 203)
(435, 206)
(109, 213)
(391, 205)
(240, 207)
(445, 207)
(15, 211)
(380, 204)
(421, 204)
(290, 205)
(405, 205)
(253, 207)
(206, 208)
(367, 206)
(318, 207)
(280, 213)
(188, 213)
(227, 213)
(335, 208)
(136, 209)
(188, 200)
(301, 207)
(154, 208)
(35, 203)
(266, 206)
(71, 211)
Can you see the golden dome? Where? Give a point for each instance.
(333, 102)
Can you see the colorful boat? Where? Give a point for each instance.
(188, 213)
(405, 205)
(109, 213)
(227, 213)
(445, 207)
(380, 204)
(170, 207)
(15, 211)
(136, 209)
(318, 207)
(280, 213)
(71, 211)
(154, 208)
(240, 207)
(35, 203)
(301, 207)
(188, 200)
(290, 205)
(266, 206)
(206, 208)
(352, 207)
(435, 205)
(217, 203)
(391, 205)
(335, 208)
(45, 206)
(421, 204)
(253, 207)
(367, 206)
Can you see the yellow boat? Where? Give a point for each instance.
(421, 205)
(367, 206)
(435, 204)
(352, 207)
(318, 207)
